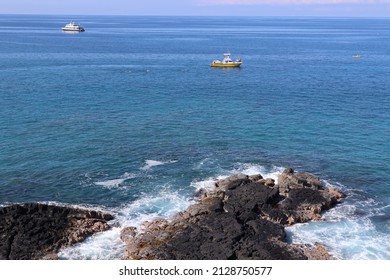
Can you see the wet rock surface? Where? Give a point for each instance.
(37, 231)
(243, 218)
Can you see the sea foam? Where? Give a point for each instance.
(108, 245)
(347, 230)
(151, 163)
(114, 183)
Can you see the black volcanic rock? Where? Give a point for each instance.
(247, 201)
(34, 231)
(243, 218)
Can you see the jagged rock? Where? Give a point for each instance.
(305, 196)
(268, 182)
(316, 252)
(255, 178)
(303, 205)
(246, 202)
(275, 215)
(335, 195)
(289, 180)
(128, 233)
(232, 182)
(243, 218)
(201, 193)
(38, 231)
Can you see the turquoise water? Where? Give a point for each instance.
(128, 116)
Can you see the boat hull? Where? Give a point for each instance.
(73, 30)
(225, 64)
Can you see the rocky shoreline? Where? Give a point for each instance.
(243, 218)
(33, 231)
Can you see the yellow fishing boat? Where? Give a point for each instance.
(226, 62)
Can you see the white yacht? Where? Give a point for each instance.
(72, 26)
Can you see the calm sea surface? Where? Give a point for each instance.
(129, 117)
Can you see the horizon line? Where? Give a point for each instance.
(156, 15)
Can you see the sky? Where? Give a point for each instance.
(337, 8)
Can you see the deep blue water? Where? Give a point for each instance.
(129, 117)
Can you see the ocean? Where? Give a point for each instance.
(128, 117)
